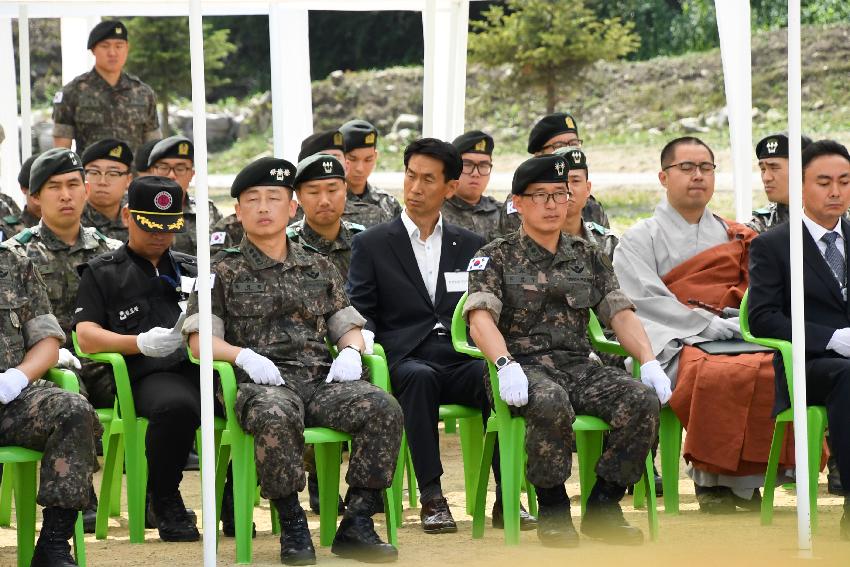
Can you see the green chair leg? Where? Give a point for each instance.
(327, 470)
(450, 425)
(113, 464)
(670, 437)
(398, 479)
(471, 441)
(589, 449)
(6, 486)
(483, 478)
(25, 491)
(244, 490)
(649, 488)
(411, 477)
(513, 445)
(79, 541)
(816, 418)
(771, 472)
(136, 465)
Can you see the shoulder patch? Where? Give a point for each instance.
(291, 232)
(11, 219)
(762, 211)
(217, 238)
(234, 250)
(57, 98)
(24, 236)
(598, 228)
(509, 207)
(477, 263)
(354, 227)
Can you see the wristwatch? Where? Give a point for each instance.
(353, 347)
(503, 361)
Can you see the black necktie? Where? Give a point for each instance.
(834, 258)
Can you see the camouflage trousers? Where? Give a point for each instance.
(96, 383)
(62, 425)
(276, 417)
(556, 395)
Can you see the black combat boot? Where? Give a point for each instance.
(554, 521)
(527, 522)
(228, 525)
(356, 537)
(296, 546)
(53, 549)
(313, 491)
(604, 518)
(90, 513)
(172, 521)
(150, 514)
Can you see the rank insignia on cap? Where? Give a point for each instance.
(337, 139)
(771, 146)
(569, 122)
(279, 173)
(183, 149)
(329, 166)
(73, 157)
(481, 146)
(115, 152)
(162, 200)
(118, 30)
(559, 167)
(576, 156)
(478, 263)
(369, 139)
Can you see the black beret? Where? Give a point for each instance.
(574, 157)
(550, 168)
(111, 149)
(54, 161)
(172, 147)
(266, 171)
(24, 175)
(156, 204)
(358, 134)
(318, 166)
(109, 29)
(474, 141)
(319, 142)
(550, 126)
(140, 161)
(772, 146)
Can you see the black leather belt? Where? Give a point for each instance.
(439, 332)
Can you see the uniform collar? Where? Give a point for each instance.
(54, 243)
(258, 260)
(485, 204)
(341, 242)
(541, 256)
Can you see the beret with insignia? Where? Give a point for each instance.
(109, 29)
(773, 146)
(24, 174)
(550, 126)
(319, 142)
(358, 134)
(266, 172)
(172, 147)
(54, 161)
(140, 161)
(156, 204)
(474, 141)
(540, 169)
(574, 157)
(111, 149)
(318, 166)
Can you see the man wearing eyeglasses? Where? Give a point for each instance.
(529, 299)
(469, 207)
(107, 168)
(685, 268)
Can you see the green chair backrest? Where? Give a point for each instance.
(784, 347)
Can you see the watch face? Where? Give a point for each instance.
(501, 361)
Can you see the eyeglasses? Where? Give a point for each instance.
(690, 167)
(111, 175)
(484, 167)
(577, 143)
(163, 169)
(542, 198)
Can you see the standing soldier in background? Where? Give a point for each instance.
(106, 102)
(325, 142)
(469, 207)
(107, 166)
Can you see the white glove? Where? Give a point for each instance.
(721, 329)
(840, 342)
(68, 360)
(368, 341)
(513, 385)
(346, 367)
(159, 341)
(12, 383)
(651, 374)
(259, 368)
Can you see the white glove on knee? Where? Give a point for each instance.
(346, 367)
(159, 341)
(652, 375)
(68, 360)
(840, 342)
(259, 368)
(12, 383)
(368, 341)
(513, 385)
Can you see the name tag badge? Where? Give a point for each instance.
(457, 281)
(187, 284)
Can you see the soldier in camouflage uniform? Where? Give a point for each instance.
(36, 414)
(772, 153)
(325, 142)
(529, 297)
(108, 174)
(469, 207)
(366, 204)
(289, 380)
(105, 102)
(13, 223)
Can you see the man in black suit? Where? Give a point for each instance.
(826, 196)
(406, 277)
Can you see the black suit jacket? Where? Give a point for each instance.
(385, 285)
(770, 296)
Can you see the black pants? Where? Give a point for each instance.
(828, 384)
(433, 374)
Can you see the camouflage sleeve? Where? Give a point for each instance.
(215, 214)
(36, 316)
(64, 108)
(344, 316)
(152, 131)
(485, 284)
(613, 300)
(395, 206)
(192, 323)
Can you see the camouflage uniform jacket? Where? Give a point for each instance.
(8, 206)
(186, 242)
(481, 218)
(372, 207)
(600, 236)
(338, 251)
(767, 217)
(113, 228)
(89, 109)
(17, 223)
(226, 233)
(281, 310)
(509, 218)
(593, 212)
(57, 263)
(540, 300)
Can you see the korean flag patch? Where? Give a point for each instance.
(510, 208)
(217, 238)
(57, 98)
(478, 263)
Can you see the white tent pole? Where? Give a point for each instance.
(74, 34)
(9, 163)
(199, 126)
(798, 334)
(26, 102)
(429, 23)
(733, 26)
(457, 73)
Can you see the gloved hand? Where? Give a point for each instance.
(12, 383)
(651, 374)
(368, 341)
(259, 368)
(721, 329)
(513, 385)
(159, 341)
(346, 367)
(68, 360)
(840, 342)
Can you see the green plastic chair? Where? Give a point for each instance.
(19, 474)
(815, 416)
(589, 433)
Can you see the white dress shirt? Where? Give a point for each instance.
(427, 252)
(817, 232)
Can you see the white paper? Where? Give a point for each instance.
(457, 281)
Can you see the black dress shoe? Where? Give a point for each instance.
(172, 521)
(356, 539)
(150, 515)
(605, 521)
(555, 527)
(527, 522)
(750, 505)
(833, 478)
(193, 462)
(714, 499)
(436, 517)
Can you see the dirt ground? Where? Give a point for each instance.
(691, 538)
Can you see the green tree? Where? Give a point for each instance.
(546, 43)
(159, 55)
